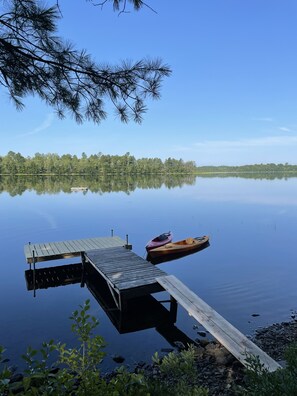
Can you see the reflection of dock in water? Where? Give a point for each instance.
(128, 277)
(139, 314)
(53, 276)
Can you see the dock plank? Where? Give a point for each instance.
(121, 277)
(123, 269)
(54, 248)
(136, 283)
(27, 250)
(232, 339)
(102, 245)
(71, 248)
(94, 245)
(37, 250)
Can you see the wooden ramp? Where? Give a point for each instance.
(66, 249)
(232, 339)
(126, 274)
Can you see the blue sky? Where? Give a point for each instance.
(231, 98)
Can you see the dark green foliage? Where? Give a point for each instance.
(34, 60)
(282, 382)
(254, 171)
(96, 164)
(76, 371)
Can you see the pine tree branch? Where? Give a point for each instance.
(34, 61)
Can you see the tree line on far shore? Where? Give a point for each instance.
(101, 164)
(254, 168)
(95, 164)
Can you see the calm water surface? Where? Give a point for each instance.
(249, 267)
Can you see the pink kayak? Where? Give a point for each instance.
(160, 240)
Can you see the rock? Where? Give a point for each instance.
(118, 358)
(199, 352)
(220, 353)
(203, 343)
(179, 345)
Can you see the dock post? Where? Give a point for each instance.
(30, 261)
(173, 308)
(127, 246)
(83, 272)
(34, 274)
(112, 232)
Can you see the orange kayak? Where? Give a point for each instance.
(178, 247)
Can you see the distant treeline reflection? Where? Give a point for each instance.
(17, 185)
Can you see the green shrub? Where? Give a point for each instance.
(76, 371)
(282, 382)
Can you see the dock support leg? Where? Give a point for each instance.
(173, 308)
(83, 269)
(34, 275)
(122, 302)
(127, 246)
(30, 261)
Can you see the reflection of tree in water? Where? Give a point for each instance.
(17, 185)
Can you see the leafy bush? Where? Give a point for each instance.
(77, 370)
(282, 382)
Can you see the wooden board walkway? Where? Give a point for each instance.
(66, 249)
(232, 339)
(126, 274)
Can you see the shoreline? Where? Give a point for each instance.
(220, 372)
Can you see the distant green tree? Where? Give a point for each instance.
(13, 163)
(34, 60)
(96, 164)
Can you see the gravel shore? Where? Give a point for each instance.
(220, 372)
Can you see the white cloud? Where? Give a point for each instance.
(42, 127)
(285, 129)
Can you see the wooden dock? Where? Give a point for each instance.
(126, 274)
(36, 252)
(232, 339)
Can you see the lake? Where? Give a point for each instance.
(249, 268)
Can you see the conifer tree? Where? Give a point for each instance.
(34, 60)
